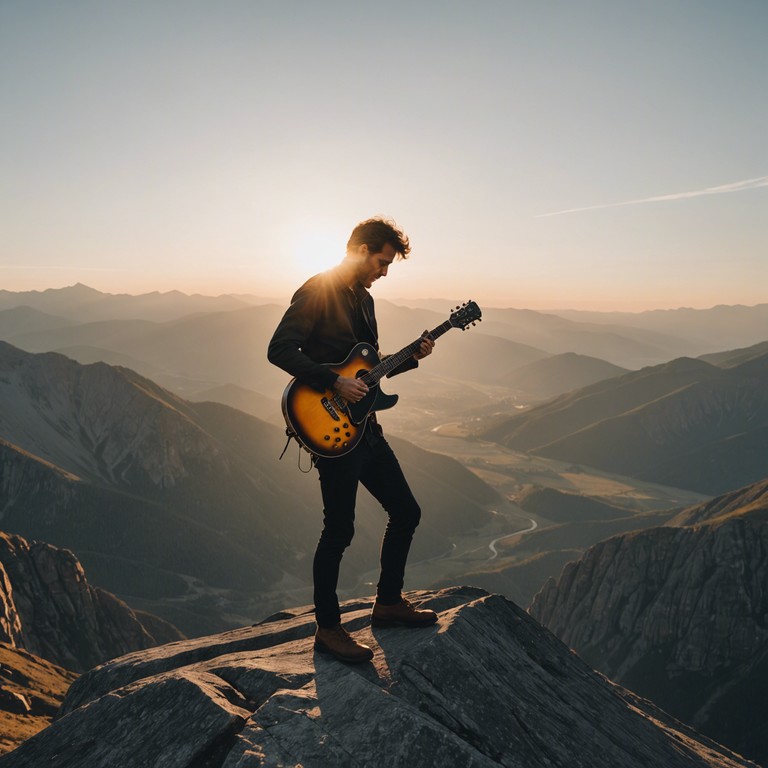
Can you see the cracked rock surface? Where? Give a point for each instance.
(486, 686)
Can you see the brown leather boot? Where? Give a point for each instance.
(402, 614)
(337, 642)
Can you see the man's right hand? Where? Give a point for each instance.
(352, 390)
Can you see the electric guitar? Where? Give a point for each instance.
(326, 424)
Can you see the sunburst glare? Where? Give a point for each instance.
(317, 246)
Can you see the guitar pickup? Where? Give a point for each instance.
(331, 410)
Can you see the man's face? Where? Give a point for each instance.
(374, 265)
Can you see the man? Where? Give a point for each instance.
(328, 316)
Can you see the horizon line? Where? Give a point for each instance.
(494, 304)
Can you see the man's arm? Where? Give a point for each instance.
(285, 348)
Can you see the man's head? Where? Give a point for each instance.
(376, 233)
(373, 245)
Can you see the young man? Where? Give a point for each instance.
(328, 316)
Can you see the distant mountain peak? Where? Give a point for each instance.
(80, 289)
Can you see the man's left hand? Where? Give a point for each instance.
(426, 347)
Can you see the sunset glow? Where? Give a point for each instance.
(539, 155)
(316, 246)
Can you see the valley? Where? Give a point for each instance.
(456, 405)
(516, 550)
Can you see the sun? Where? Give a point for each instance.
(317, 246)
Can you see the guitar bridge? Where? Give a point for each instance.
(331, 410)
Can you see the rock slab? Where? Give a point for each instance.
(486, 686)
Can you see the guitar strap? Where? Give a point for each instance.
(293, 436)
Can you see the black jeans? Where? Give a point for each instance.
(374, 464)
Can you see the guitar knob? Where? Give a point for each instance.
(327, 437)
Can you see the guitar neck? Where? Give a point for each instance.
(388, 365)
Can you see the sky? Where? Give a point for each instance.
(601, 154)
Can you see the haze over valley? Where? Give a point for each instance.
(508, 398)
(143, 434)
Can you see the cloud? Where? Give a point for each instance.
(737, 186)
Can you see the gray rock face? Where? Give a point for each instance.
(48, 608)
(688, 590)
(680, 615)
(486, 686)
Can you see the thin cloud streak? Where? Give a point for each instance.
(737, 186)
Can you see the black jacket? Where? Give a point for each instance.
(325, 320)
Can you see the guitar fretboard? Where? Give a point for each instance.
(379, 371)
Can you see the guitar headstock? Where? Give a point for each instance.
(465, 314)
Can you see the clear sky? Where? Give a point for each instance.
(607, 154)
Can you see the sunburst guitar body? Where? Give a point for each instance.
(325, 423)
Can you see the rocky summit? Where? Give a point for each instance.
(486, 686)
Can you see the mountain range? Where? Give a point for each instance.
(686, 423)
(558, 374)
(722, 326)
(191, 344)
(179, 506)
(629, 339)
(80, 303)
(183, 508)
(678, 613)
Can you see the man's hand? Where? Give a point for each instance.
(427, 345)
(352, 390)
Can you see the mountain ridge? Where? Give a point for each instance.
(685, 423)
(677, 614)
(169, 502)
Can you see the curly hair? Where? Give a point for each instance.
(378, 232)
